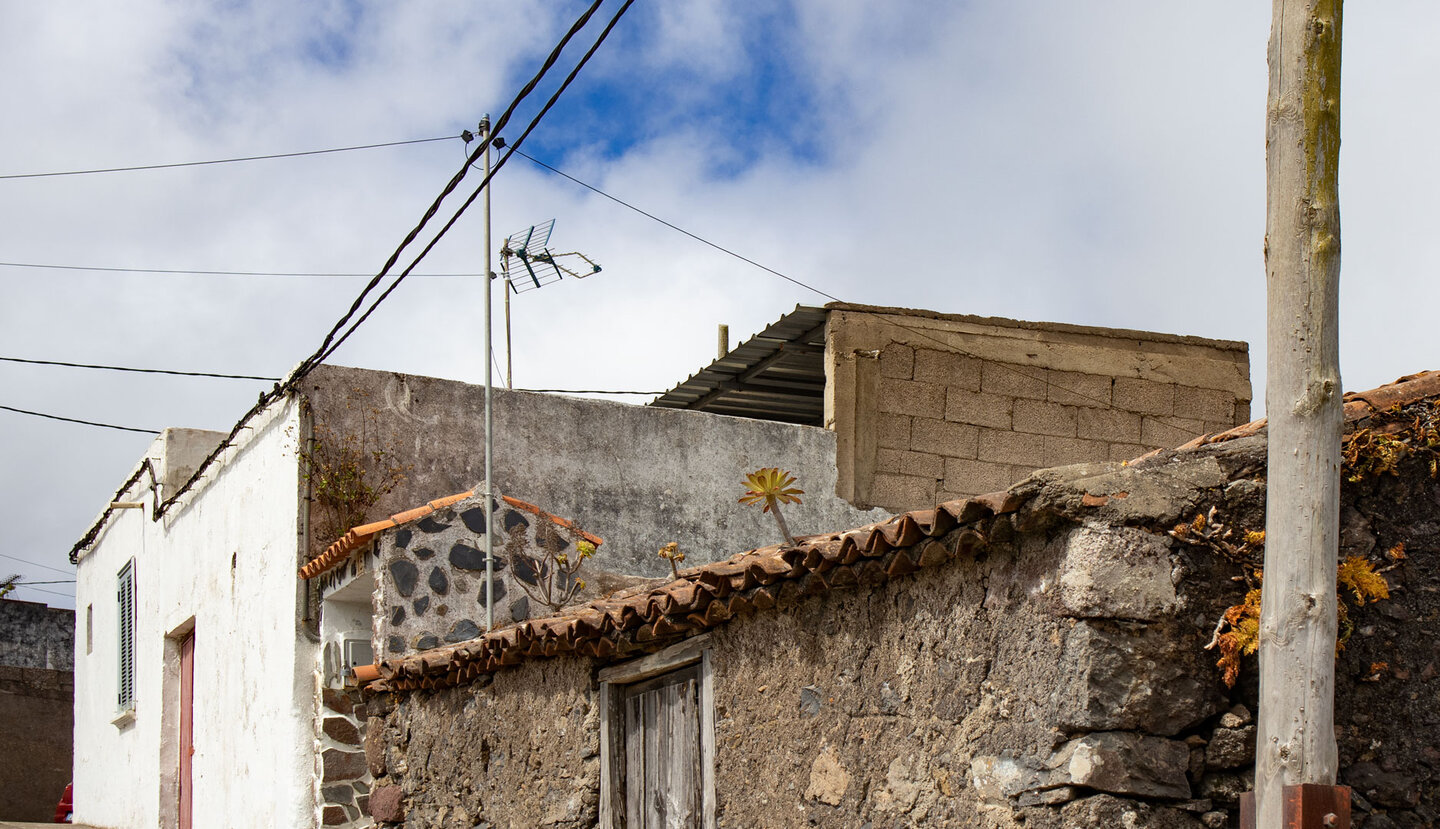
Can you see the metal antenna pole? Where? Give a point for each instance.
(489, 394)
(508, 364)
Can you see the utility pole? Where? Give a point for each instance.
(1296, 739)
(489, 394)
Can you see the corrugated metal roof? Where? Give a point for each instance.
(778, 374)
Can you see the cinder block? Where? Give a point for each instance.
(967, 477)
(1109, 425)
(1127, 451)
(1169, 432)
(897, 361)
(1038, 418)
(1074, 388)
(1143, 396)
(1061, 451)
(1013, 380)
(947, 368)
(912, 398)
(918, 464)
(1010, 448)
(941, 437)
(902, 492)
(978, 408)
(893, 431)
(1204, 404)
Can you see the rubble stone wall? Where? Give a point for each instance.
(36, 723)
(1059, 678)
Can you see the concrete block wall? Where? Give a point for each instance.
(928, 407)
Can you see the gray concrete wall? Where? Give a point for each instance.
(636, 476)
(35, 636)
(929, 407)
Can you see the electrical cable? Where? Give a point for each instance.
(512, 149)
(35, 564)
(305, 366)
(226, 160)
(184, 272)
(81, 422)
(589, 391)
(916, 331)
(51, 592)
(29, 583)
(140, 370)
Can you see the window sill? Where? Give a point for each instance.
(124, 719)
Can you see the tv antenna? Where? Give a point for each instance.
(527, 263)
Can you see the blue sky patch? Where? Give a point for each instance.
(763, 104)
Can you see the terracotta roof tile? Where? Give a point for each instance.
(359, 536)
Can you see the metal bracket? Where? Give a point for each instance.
(1307, 806)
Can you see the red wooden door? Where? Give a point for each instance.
(187, 727)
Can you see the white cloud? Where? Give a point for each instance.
(1086, 163)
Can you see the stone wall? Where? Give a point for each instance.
(1057, 678)
(344, 778)
(929, 407)
(35, 636)
(432, 573)
(35, 729)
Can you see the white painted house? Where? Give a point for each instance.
(214, 571)
(195, 630)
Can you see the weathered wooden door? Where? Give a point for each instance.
(187, 728)
(662, 752)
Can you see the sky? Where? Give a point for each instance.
(1097, 164)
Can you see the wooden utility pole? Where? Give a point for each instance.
(1296, 739)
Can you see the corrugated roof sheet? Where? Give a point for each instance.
(778, 374)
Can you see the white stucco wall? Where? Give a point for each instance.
(223, 562)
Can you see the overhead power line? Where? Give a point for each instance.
(535, 121)
(81, 422)
(35, 563)
(140, 370)
(307, 365)
(57, 581)
(910, 329)
(226, 160)
(196, 272)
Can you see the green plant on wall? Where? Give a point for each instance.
(770, 487)
(348, 470)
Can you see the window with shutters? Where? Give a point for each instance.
(125, 616)
(657, 741)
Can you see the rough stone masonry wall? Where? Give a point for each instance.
(932, 407)
(36, 724)
(1059, 679)
(937, 700)
(345, 779)
(432, 574)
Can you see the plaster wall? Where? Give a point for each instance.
(639, 477)
(35, 636)
(221, 564)
(35, 720)
(927, 407)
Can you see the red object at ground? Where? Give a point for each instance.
(66, 804)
